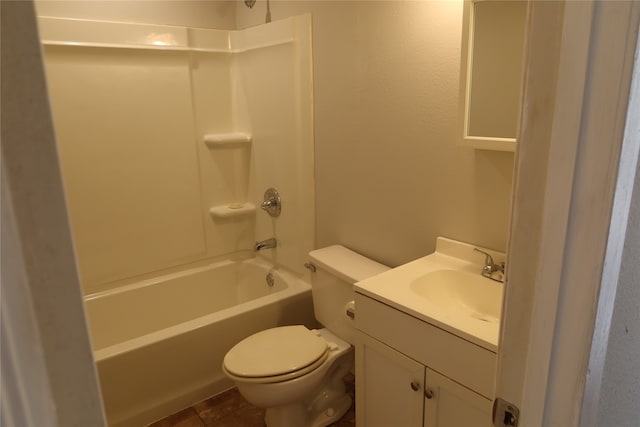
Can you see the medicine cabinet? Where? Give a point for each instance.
(491, 72)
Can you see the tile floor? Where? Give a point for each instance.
(229, 409)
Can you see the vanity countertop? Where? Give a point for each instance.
(468, 306)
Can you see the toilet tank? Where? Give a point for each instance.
(337, 269)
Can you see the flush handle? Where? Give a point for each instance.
(350, 310)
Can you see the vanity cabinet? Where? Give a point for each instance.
(389, 386)
(451, 404)
(411, 373)
(394, 389)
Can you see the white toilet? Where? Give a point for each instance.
(296, 373)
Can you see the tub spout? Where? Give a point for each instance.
(266, 244)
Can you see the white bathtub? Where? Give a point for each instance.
(159, 344)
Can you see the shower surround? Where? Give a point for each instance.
(135, 110)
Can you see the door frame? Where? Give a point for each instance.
(48, 371)
(570, 203)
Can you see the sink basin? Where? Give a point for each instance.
(462, 292)
(446, 290)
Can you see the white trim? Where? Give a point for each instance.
(74, 33)
(606, 96)
(42, 276)
(627, 170)
(562, 153)
(466, 64)
(25, 390)
(489, 143)
(580, 180)
(542, 52)
(163, 48)
(67, 43)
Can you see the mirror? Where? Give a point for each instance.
(491, 71)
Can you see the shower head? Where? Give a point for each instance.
(249, 3)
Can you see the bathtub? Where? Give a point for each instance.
(159, 344)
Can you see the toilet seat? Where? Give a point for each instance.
(276, 354)
(279, 378)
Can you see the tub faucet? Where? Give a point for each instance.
(266, 244)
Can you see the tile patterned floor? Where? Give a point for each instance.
(229, 409)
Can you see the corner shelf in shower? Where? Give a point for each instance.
(227, 140)
(232, 210)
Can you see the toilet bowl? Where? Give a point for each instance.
(304, 389)
(296, 374)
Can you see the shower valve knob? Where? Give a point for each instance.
(271, 203)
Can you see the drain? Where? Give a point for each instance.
(270, 279)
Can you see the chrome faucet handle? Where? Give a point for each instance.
(488, 260)
(268, 203)
(490, 267)
(271, 203)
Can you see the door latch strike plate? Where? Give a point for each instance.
(505, 414)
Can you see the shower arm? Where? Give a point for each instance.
(251, 3)
(267, 18)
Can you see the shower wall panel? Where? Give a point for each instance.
(223, 172)
(273, 98)
(132, 105)
(125, 131)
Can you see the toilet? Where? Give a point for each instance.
(295, 373)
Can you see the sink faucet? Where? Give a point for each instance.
(490, 269)
(266, 244)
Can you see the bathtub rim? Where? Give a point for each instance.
(296, 285)
(154, 277)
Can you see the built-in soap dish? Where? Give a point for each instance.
(227, 140)
(232, 210)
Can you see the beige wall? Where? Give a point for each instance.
(188, 13)
(389, 176)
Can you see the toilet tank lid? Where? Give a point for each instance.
(345, 263)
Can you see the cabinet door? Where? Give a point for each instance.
(389, 386)
(449, 404)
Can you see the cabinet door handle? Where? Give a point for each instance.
(428, 393)
(415, 386)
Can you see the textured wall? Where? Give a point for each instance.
(620, 393)
(188, 13)
(389, 176)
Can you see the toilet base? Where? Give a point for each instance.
(325, 406)
(296, 415)
(315, 399)
(337, 411)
